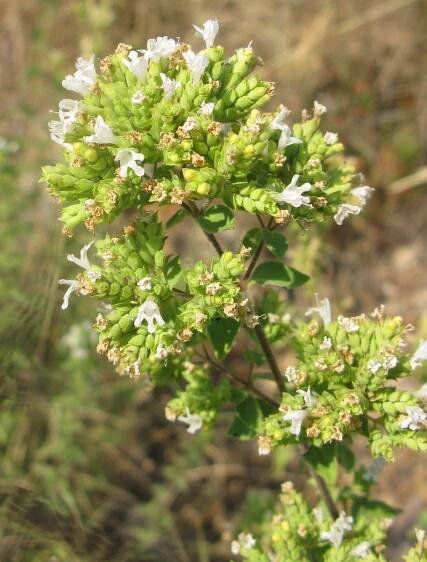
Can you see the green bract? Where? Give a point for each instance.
(168, 126)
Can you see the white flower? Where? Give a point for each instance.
(415, 419)
(208, 32)
(128, 159)
(361, 550)
(207, 108)
(348, 324)
(138, 97)
(338, 528)
(68, 112)
(136, 64)
(278, 123)
(421, 393)
(83, 79)
(330, 138)
(323, 308)
(390, 362)
(103, 133)
(58, 130)
(145, 283)
(196, 63)
(319, 109)
(296, 417)
(83, 262)
(169, 85)
(194, 421)
(73, 287)
(286, 138)
(363, 193)
(308, 397)
(244, 540)
(326, 343)
(374, 366)
(344, 211)
(159, 47)
(291, 374)
(149, 311)
(420, 355)
(293, 194)
(161, 352)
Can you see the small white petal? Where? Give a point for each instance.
(344, 211)
(208, 32)
(293, 193)
(420, 355)
(362, 193)
(136, 64)
(73, 287)
(169, 85)
(83, 79)
(197, 64)
(150, 313)
(103, 133)
(323, 308)
(128, 160)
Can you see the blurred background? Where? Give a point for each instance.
(89, 468)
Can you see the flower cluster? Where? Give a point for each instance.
(168, 125)
(299, 533)
(346, 381)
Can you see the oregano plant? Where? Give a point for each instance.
(166, 126)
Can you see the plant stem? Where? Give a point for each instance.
(259, 332)
(253, 261)
(235, 378)
(268, 352)
(325, 493)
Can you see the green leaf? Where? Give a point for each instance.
(216, 219)
(248, 419)
(278, 274)
(276, 243)
(176, 218)
(172, 271)
(222, 332)
(324, 462)
(252, 238)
